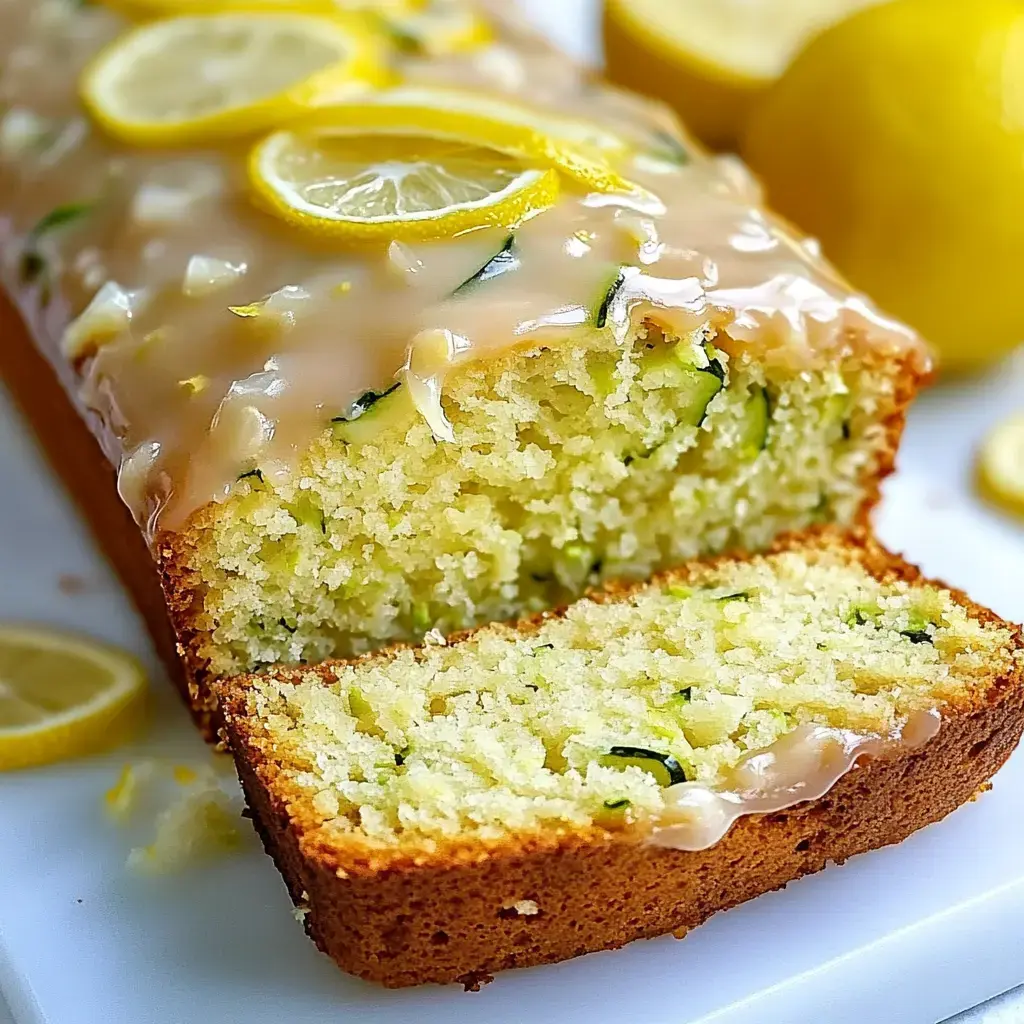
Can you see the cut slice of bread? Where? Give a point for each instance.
(571, 464)
(511, 796)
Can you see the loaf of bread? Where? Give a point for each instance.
(626, 766)
(627, 386)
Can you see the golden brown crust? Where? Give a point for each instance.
(403, 917)
(76, 457)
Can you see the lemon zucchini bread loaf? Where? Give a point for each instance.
(490, 333)
(528, 793)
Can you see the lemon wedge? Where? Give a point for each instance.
(711, 59)
(580, 149)
(62, 696)
(1001, 465)
(188, 79)
(393, 187)
(439, 28)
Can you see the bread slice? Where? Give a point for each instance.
(447, 811)
(569, 465)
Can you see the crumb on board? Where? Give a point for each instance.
(191, 816)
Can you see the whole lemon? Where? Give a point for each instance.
(897, 138)
(710, 59)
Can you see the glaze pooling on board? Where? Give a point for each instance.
(188, 394)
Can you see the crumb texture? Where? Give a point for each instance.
(570, 465)
(512, 730)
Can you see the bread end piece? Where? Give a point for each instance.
(478, 908)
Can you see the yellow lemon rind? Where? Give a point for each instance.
(377, 115)
(362, 68)
(103, 722)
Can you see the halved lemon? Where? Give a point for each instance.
(188, 79)
(582, 150)
(63, 695)
(711, 59)
(389, 187)
(439, 27)
(1001, 465)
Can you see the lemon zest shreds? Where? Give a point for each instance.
(253, 309)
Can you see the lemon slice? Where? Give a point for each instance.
(582, 150)
(393, 187)
(1001, 465)
(188, 79)
(169, 8)
(62, 696)
(442, 27)
(711, 59)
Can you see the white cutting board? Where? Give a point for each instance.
(901, 936)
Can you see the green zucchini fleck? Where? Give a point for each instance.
(601, 316)
(617, 805)
(60, 216)
(283, 622)
(363, 419)
(670, 149)
(916, 631)
(506, 259)
(33, 263)
(756, 416)
(404, 42)
(422, 620)
(685, 694)
(666, 770)
(715, 368)
(739, 595)
(366, 401)
(917, 636)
